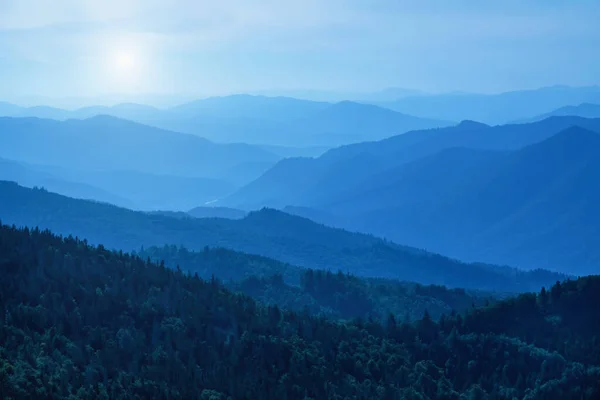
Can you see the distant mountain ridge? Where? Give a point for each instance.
(282, 121)
(584, 110)
(32, 177)
(356, 122)
(8, 109)
(216, 212)
(268, 233)
(298, 181)
(530, 207)
(245, 106)
(141, 167)
(105, 142)
(212, 117)
(499, 108)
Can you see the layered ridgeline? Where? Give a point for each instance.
(332, 294)
(86, 322)
(261, 120)
(146, 167)
(498, 108)
(269, 233)
(302, 179)
(585, 110)
(292, 121)
(289, 121)
(29, 176)
(136, 190)
(474, 192)
(109, 143)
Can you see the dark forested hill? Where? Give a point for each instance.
(268, 233)
(84, 322)
(333, 294)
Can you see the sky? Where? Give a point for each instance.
(84, 48)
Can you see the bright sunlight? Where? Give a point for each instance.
(125, 63)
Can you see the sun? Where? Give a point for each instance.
(125, 62)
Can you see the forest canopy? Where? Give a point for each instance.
(84, 322)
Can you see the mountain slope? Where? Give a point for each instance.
(216, 212)
(288, 122)
(101, 324)
(533, 207)
(300, 181)
(349, 122)
(8, 109)
(31, 177)
(260, 120)
(335, 295)
(44, 112)
(495, 108)
(269, 233)
(130, 111)
(152, 191)
(108, 143)
(584, 110)
(130, 189)
(244, 106)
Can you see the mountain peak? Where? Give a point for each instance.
(104, 118)
(576, 134)
(471, 125)
(351, 104)
(347, 108)
(571, 142)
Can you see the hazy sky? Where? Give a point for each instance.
(90, 48)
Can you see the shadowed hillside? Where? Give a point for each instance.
(268, 233)
(105, 324)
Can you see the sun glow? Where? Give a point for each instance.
(125, 63)
(125, 69)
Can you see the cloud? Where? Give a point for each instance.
(32, 14)
(240, 43)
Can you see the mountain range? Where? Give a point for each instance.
(507, 194)
(109, 143)
(287, 121)
(139, 166)
(32, 177)
(584, 110)
(292, 180)
(280, 121)
(106, 324)
(269, 233)
(131, 189)
(498, 108)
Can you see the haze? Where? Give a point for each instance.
(299, 199)
(131, 49)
